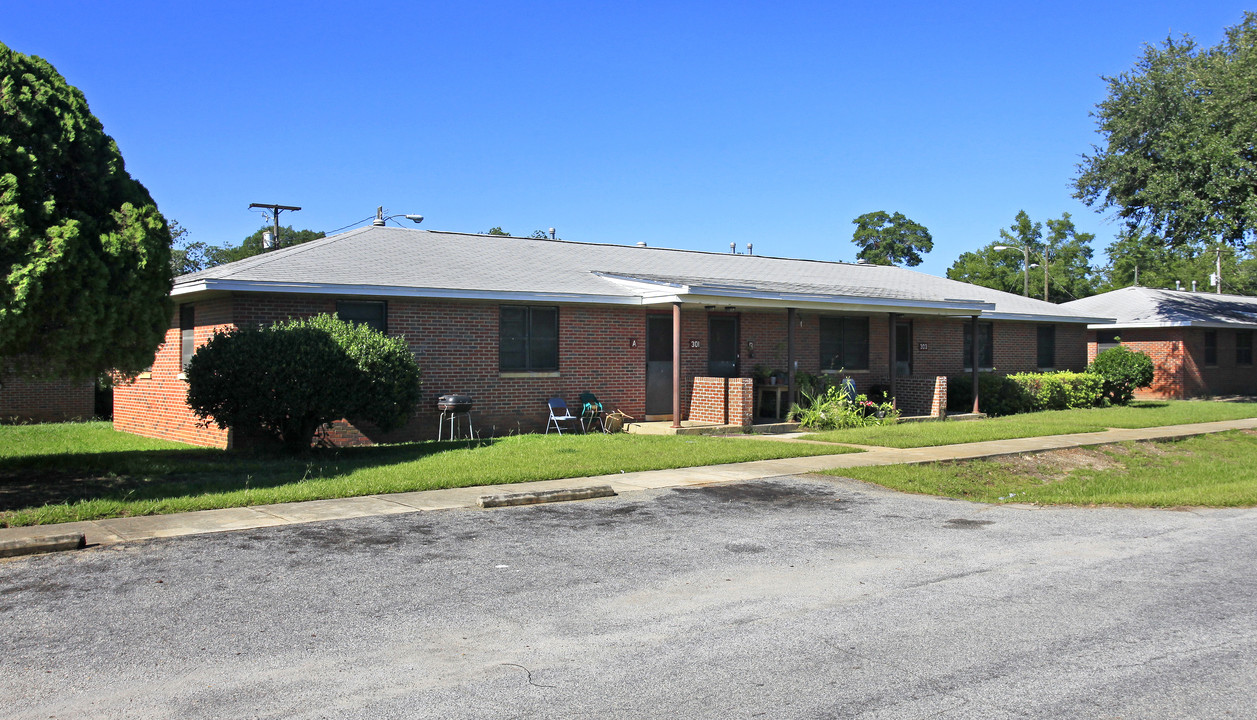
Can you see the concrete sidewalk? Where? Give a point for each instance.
(207, 521)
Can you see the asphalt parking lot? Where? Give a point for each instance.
(789, 597)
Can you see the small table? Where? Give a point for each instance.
(772, 402)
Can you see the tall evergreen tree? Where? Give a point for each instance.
(85, 253)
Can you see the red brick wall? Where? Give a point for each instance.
(24, 399)
(741, 401)
(154, 404)
(709, 400)
(1178, 359)
(728, 401)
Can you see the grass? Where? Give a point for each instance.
(1217, 470)
(85, 471)
(1055, 422)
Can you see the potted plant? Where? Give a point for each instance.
(761, 373)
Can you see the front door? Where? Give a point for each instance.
(722, 345)
(903, 349)
(659, 367)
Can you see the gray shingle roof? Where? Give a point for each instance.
(402, 261)
(1150, 307)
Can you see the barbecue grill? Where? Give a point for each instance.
(451, 406)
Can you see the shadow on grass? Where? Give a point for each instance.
(38, 480)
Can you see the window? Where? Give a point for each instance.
(1106, 339)
(1047, 347)
(1211, 348)
(986, 346)
(844, 343)
(1243, 347)
(528, 339)
(187, 334)
(373, 313)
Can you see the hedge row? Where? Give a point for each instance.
(1110, 380)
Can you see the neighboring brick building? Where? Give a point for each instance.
(515, 321)
(1200, 343)
(24, 399)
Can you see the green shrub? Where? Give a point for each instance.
(998, 395)
(387, 384)
(285, 381)
(1060, 390)
(1123, 370)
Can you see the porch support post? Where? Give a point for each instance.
(973, 325)
(676, 364)
(893, 325)
(790, 391)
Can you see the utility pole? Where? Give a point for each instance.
(275, 211)
(1218, 268)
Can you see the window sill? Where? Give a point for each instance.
(865, 371)
(528, 374)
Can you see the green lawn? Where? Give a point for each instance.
(1055, 422)
(1217, 470)
(82, 471)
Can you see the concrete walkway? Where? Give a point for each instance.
(207, 521)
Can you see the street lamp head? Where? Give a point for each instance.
(416, 219)
(1004, 247)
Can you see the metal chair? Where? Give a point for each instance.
(591, 412)
(558, 412)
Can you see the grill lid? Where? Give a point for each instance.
(456, 403)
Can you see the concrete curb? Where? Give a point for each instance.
(546, 496)
(44, 544)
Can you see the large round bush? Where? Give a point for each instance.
(286, 380)
(1123, 371)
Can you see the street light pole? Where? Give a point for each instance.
(1025, 268)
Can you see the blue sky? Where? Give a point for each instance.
(686, 125)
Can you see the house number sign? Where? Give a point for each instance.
(632, 342)
(695, 344)
(922, 346)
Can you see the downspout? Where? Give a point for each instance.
(790, 392)
(974, 351)
(676, 364)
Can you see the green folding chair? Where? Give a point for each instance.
(591, 412)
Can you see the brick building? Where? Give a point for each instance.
(1200, 343)
(515, 321)
(27, 399)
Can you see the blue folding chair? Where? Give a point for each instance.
(559, 413)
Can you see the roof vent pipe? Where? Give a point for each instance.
(641, 243)
(551, 233)
(1178, 284)
(733, 248)
(750, 249)
(1193, 286)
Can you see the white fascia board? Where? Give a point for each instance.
(1173, 324)
(1027, 317)
(211, 285)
